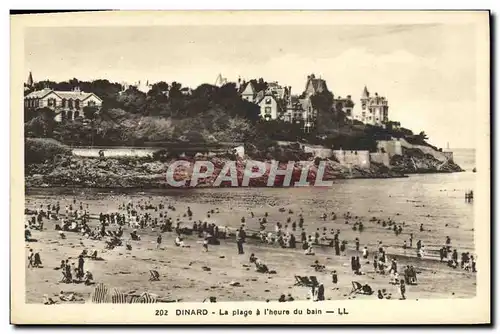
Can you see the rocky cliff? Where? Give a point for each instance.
(140, 172)
(415, 161)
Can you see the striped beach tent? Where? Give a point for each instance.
(134, 299)
(100, 294)
(118, 297)
(147, 298)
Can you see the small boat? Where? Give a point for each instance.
(474, 169)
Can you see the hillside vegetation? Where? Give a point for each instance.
(209, 114)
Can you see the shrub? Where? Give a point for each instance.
(37, 150)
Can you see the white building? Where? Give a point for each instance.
(374, 110)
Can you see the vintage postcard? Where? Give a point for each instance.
(326, 167)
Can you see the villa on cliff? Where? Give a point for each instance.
(374, 109)
(68, 105)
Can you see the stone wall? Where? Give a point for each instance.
(353, 158)
(391, 147)
(114, 152)
(318, 151)
(380, 158)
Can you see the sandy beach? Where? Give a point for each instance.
(183, 271)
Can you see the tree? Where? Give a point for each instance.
(132, 100)
(422, 136)
(89, 112)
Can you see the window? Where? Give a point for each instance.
(51, 102)
(77, 104)
(268, 110)
(268, 100)
(64, 103)
(91, 103)
(70, 103)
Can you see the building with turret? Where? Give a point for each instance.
(373, 110)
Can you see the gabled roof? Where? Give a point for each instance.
(318, 84)
(248, 89)
(74, 95)
(263, 96)
(260, 95)
(40, 93)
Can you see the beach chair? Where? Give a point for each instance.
(298, 281)
(314, 280)
(306, 281)
(154, 275)
(356, 287)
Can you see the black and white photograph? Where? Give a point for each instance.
(286, 160)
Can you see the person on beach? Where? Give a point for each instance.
(31, 258)
(454, 257)
(365, 252)
(253, 258)
(81, 263)
(205, 244)
(239, 241)
(334, 277)
(394, 266)
(309, 250)
(357, 244)
(402, 289)
(358, 265)
(313, 293)
(411, 240)
(88, 278)
(158, 241)
(67, 272)
(343, 247)
(321, 293)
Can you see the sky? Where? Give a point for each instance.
(426, 71)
